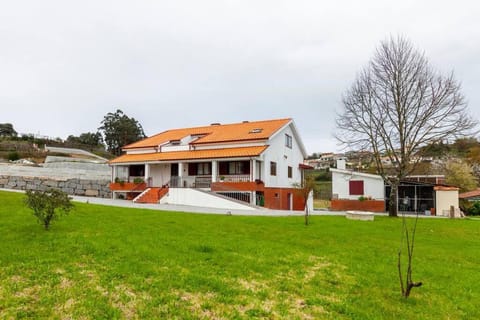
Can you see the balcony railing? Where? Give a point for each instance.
(234, 178)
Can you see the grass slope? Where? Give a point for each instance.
(105, 262)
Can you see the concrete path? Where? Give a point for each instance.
(204, 210)
(74, 151)
(192, 209)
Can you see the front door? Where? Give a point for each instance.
(174, 175)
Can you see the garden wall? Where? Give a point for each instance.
(78, 187)
(365, 205)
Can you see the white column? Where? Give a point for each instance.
(181, 182)
(254, 198)
(180, 169)
(253, 169)
(214, 170)
(147, 173)
(114, 173)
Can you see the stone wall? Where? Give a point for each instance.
(78, 187)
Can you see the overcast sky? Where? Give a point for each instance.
(170, 64)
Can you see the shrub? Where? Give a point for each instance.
(474, 210)
(13, 156)
(138, 180)
(48, 205)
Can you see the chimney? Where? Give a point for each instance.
(215, 124)
(341, 164)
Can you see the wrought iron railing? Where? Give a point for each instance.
(236, 195)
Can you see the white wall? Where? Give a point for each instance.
(445, 199)
(193, 197)
(278, 152)
(372, 184)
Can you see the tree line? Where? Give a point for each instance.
(115, 131)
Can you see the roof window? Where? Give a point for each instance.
(257, 130)
(175, 142)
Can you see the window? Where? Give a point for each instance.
(199, 169)
(273, 168)
(288, 141)
(203, 169)
(356, 187)
(234, 167)
(290, 172)
(136, 170)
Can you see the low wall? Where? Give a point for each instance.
(365, 205)
(78, 187)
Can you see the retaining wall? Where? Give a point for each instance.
(78, 187)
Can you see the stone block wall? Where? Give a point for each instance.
(77, 187)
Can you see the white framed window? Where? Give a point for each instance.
(288, 141)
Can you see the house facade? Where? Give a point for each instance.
(248, 163)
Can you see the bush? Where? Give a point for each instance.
(138, 180)
(48, 205)
(13, 156)
(474, 210)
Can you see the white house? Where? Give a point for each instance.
(423, 194)
(347, 184)
(255, 162)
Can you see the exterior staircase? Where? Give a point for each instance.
(151, 195)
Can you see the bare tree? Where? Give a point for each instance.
(304, 190)
(398, 104)
(408, 240)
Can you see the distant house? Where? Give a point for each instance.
(362, 191)
(222, 166)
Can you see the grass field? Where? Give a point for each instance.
(105, 262)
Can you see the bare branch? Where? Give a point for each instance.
(398, 104)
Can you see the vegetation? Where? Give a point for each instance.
(7, 130)
(397, 104)
(48, 205)
(113, 263)
(88, 139)
(13, 156)
(304, 190)
(471, 208)
(119, 130)
(460, 174)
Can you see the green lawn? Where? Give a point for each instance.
(105, 262)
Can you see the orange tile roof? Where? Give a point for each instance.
(190, 155)
(243, 131)
(445, 188)
(469, 194)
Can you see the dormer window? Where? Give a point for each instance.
(257, 130)
(175, 142)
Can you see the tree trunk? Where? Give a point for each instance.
(306, 214)
(410, 286)
(392, 211)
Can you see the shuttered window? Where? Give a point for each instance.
(356, 187)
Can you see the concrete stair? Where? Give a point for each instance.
(151, 195)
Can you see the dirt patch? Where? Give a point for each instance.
(251, 285)
(31, 293)
(65, 283)
(318, 264)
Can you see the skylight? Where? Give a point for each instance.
(258, 130)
